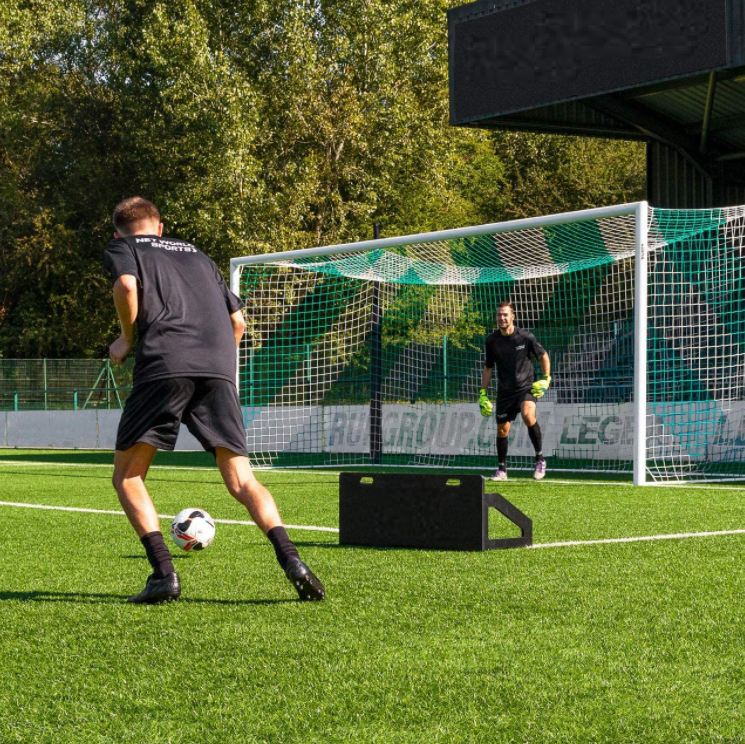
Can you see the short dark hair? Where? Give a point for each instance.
(131, 211)
(506, 303)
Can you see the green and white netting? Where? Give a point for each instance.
(372, 353)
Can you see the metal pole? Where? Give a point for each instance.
(115, 388)
(45, 383)
(444, 369)
(250, 381)
(640, 347)
(376, 371)
(74, 400)
(95, 386)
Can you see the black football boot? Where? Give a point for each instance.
(308, 585)
(167, 589)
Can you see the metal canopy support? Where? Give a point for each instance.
(707, 111)
(654, 126)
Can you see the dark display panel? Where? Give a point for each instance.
(547, 51)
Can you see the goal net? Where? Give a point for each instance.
(371, 353)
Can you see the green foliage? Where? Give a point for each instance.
(255, 127)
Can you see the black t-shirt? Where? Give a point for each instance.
(511, 356)
(184, 308)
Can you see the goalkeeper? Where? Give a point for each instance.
(510, 349)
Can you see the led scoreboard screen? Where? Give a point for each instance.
(546, 51)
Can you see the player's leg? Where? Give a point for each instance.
(130, 470)
(242, 484)
(503, 433)
(240, 480)
(508, 406)
(150, 421)
(536, 437)
(214, 417)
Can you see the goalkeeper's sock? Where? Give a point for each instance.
(534, 432)
(283, 546)
(502, 443)
(158, 554)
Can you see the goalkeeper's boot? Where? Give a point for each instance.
(500, 475)
(307, 584)
(167, 589)
(539, 472)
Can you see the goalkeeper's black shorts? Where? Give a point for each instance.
(207, 406)
(508, 405)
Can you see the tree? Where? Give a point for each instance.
(255, 127)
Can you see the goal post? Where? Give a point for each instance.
(640, 345)
(370, 353)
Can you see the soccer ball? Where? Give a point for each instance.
(193, 529)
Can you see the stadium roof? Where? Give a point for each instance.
(629, 69)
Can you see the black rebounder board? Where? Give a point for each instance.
(423, 511)
(514, 56)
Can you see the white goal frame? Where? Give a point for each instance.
(641, 216)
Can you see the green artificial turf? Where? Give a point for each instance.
(621, 642)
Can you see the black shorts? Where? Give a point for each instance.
(207, 406)
(508, 406)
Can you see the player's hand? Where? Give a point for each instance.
(485, 404)
(540, 386)
(119, 350)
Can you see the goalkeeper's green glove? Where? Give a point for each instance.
(540, 386)
(485, 404)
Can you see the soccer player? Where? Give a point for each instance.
(189, 325)
(509, 348)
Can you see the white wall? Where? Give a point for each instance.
(69, 430)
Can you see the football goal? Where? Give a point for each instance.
(370, 353)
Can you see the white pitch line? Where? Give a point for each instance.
(10, 463)
(645, 538)
(290, 471)
(569, 544)
(160, 516)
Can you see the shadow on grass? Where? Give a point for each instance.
(84, 598)
(144, 557)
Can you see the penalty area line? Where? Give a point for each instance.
(244, 522)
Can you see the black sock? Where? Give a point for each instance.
(534, 432)
(158, 554)
(502, 443)
(283, 546)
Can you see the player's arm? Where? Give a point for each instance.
(541, 385)
(545, 363)
(127, 304)
(485, 405)
(239, 325)
(486, 376)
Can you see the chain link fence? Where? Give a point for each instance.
(63, 384)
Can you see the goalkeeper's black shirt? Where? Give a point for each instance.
(184, 309)
(511, 356)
